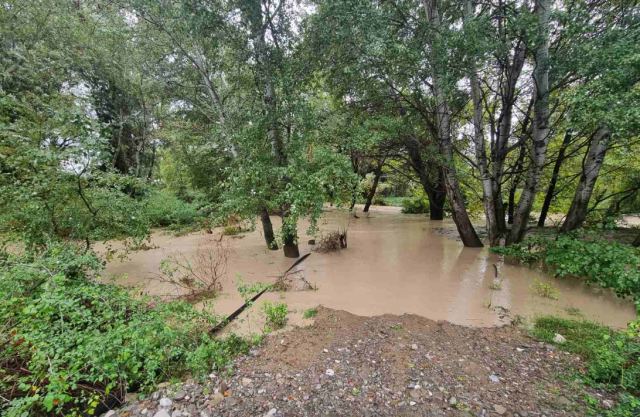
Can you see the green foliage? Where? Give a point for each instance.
(310, 313)
(71, 344)
(247, 291)
(611, 356)
(415, 205)
(276, 315)
(608, 264)
(164, 208)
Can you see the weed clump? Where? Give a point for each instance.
(276, 315)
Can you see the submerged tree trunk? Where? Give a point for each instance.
(590, 170)
(548, 198)
(267, 228)
(443, 123)
(541, 129)
(374, 186)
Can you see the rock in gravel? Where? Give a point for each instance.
(494, 378)
(499, 409)
(271, 413)
(246, 382)
(179, 396)
(559, 339)
(453, 401)
(165, 402)
(414, 347)
(162, 413)
(330, 372)
(176, 413)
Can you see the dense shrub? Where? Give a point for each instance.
(415, 205)
(164, 209)
(612, 357)
(71, 345)
(608, 264)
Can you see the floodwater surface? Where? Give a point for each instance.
(395, 263)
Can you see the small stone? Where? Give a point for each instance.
(414, 347)
(494, 378)
(325, 350)
(271, 413)
(559, 339)
(499, 409)
(453, 401)
(180, 395)
(246, 382)
(162, 413)
(165, 402)
(176, 413)
(110, 413)
(330, 372)
(607, 404)
(412, 403)
(144, 411)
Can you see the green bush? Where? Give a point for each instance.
(165, 209)
(611, 356)
(73, 346)
(608, 264)
(276, 314)
(415, 205)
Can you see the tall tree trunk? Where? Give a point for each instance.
(372, 192)
(488, 197)
(515, 182)
(267, 228)
(254, 14)
(548, 198)
(435, 190)
(443, 123)
(437, 197)
(590, 170)
(541, 130)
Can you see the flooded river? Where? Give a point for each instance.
(395, 263)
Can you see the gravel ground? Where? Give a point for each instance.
(346, 365)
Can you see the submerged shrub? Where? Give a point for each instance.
(608, 264)
(415, 205)
(72, 346)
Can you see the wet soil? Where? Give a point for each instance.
(394, 264)
(348, 365)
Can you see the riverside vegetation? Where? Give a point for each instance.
(118, 117)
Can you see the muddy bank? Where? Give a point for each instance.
(346, 365)
(395, 264)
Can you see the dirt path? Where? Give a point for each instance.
(347, 365)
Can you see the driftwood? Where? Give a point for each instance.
(243, 307)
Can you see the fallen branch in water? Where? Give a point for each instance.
(247, 303)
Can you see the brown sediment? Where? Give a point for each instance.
(395, 264)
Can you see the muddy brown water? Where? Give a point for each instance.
(395, 263)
